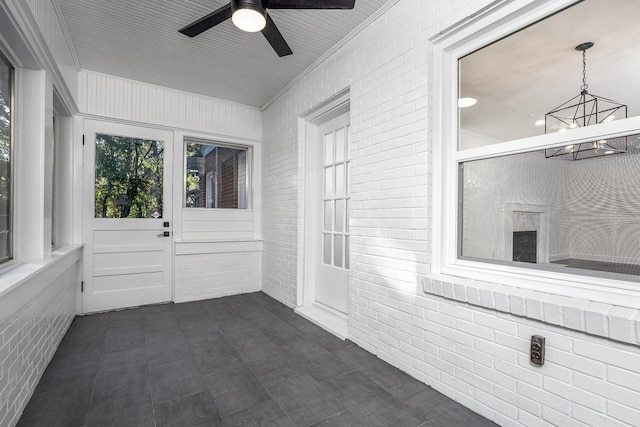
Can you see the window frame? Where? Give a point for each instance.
(248, 149)
(8, 261)
(490, 25)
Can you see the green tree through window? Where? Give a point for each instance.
(6, 72)
(128, 177)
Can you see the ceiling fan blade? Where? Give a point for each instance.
(310, 4)
(275, 39)
(208, 21)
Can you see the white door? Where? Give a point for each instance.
(332, 282)
(127, 216)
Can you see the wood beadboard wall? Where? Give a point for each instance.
(53, 33)
(117, 98)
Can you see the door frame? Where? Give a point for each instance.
(308, 237)
(134, 131)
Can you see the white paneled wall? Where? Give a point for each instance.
(228, 268)
(476, 355)
(217, 224)
(30, 337)
(53, 33)
(113, 97)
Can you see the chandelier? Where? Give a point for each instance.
(583, 110)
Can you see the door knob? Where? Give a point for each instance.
(164, 234)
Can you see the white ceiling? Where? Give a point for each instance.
(139, 40)
(520, 78)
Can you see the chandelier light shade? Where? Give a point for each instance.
(585, 109)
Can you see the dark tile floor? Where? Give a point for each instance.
(245, 360)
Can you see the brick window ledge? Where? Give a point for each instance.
(595, 318)
(23, 282)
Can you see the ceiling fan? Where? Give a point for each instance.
(252, 16)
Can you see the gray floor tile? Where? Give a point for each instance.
(246, 358)
(382, 410)
(67, 380)
(385, 375)
(186, 410)
(306, 402)
(121, 369)
(457, 415)
(355, 356)
(204, 340)
(318, 362)
(55, 409)
(341, 419)
(353, 387)
(210, 359)
(171, 388)
(118, 406)
(265, 414)
(235, 388)
(180, 367)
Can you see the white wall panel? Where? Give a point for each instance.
(212, 275)
(117, 98)
(216, 224)
(53, 33)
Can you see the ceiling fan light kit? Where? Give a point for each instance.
(585, 109)
(252, 16)
(248, 15)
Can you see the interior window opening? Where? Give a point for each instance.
(216, 176)
(568, 206)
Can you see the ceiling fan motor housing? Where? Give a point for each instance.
(257, 5)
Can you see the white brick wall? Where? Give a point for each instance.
(28, 341)
(477, 351)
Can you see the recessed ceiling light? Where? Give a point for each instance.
(539, 122)
(466, 102)
(609, 119)
(573, 125)
(609, 152)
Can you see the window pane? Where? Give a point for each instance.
(577, 217)
(5, 160)
(328, 182)
(327, 216)
(326, 249)
(129, 175)
(328, 148)
(340, 215)
(340, 180)
(216, 176)
(341, 146)
(337, 251)
(520, 78)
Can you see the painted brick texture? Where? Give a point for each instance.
(469, 349)
(28, 341)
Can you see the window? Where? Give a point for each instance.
(216, 176)
(129, 177)
(6, 74)
(514, 208)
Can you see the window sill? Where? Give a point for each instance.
(21, 283)
(596, 318)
